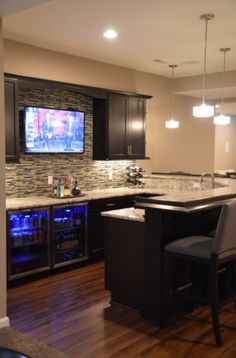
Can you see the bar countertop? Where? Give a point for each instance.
(188, 201)
(132, 214)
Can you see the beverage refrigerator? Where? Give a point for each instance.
(28, 241)
(69, 234)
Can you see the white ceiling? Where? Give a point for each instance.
(168, 30)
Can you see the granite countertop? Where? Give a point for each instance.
(40, 201)
(192, 200)
(126, 214)
(168, 197)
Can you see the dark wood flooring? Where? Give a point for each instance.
(71, 312)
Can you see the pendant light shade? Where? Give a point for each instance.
(221, 119)
(172, 123)
(204, 110)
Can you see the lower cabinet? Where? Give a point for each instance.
(40, 239)
(96, 222)
(45, 238)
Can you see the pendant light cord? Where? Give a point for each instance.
(172, 89)
(205, 17)
(224, 49)
(223, 86)
(204, 66)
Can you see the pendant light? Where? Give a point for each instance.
(221, 119)
(172, 123)
(204, 110)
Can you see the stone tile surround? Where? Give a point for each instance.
(178, 183)
(29, 176)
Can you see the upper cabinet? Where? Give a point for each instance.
(119, 127)
(11, 120)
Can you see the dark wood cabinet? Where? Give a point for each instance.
(119, 127)
(11, 120)
(125, 261)
(117, 147)
(96, 222)
(135, 136)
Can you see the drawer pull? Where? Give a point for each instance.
(111, 204)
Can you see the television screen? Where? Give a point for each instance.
(50, 130)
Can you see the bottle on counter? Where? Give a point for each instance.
(54, 187)
(67, 189)
(60, 188)
(76, 190)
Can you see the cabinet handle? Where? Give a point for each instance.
(111, 204)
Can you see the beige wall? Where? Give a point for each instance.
(187, 149)
(3, 313)
(225, 160)
(214, 80)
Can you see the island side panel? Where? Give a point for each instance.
(124, 261)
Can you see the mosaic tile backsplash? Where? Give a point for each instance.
(30, 175)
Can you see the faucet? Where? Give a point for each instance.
(208, 174)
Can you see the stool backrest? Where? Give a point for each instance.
(224, 243)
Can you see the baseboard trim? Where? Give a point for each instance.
(4, 322)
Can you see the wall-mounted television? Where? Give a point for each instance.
(49, 130)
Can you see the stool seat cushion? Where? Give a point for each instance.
(198, 246)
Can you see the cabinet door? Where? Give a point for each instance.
(28, 242)
(96, 224)
(11, 120)
(136, 127)
(69, 233)
(117, 147)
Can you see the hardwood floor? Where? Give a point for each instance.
(71, 312)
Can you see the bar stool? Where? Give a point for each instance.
(211, 251)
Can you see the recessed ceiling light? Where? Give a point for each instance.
(110, 34)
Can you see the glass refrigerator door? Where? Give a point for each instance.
(28, 246)
(70, 234)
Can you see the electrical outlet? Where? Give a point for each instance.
(226, 147)
(50, 179)
(110, 175)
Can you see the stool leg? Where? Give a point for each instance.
(214, 306)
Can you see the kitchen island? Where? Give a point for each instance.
(167, 218)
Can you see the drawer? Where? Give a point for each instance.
(110, 204)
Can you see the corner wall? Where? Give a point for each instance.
(225, 134)
(3, 293)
